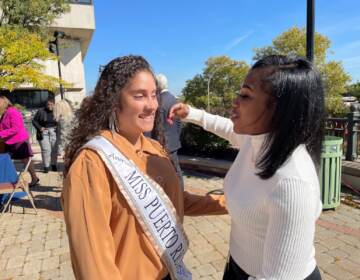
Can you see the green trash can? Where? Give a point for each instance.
(330, 171)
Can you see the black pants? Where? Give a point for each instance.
(234, 272)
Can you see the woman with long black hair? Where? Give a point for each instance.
(272, 189)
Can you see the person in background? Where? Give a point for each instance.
(272, 189)
(63, 115)
(15, 137)
(46, 133)
(164, 132)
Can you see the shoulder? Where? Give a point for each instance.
(157, 146)
(40, 111)
(87, 177)
(168, 97)
(297, 178)
(13, 111)
(87, 160)
(13, 114)
(298, 165)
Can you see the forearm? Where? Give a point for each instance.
(198, 205)
(218, 125)
(36, 124)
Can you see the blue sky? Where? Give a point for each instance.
(177, 37)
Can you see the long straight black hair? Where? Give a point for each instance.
(298, 117)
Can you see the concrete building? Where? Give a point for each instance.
(77, 26)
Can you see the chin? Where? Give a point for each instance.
(238, 130)
(147, 128)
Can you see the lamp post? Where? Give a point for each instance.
(55, 43)
(310, 27)
(209, 80)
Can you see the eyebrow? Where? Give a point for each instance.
(140, 91)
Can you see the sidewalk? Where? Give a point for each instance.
(36, 246)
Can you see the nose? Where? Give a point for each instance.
(236, 101)
(152, 104)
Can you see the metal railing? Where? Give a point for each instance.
(348, 129)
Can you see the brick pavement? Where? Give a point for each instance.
(35, 246)
(337, 239)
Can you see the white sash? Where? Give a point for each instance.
(151, 206)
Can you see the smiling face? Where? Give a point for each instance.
(138, 105)
(50, 105)
(253, 108)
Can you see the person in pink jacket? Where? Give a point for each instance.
(14, 135)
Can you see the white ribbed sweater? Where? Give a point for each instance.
(273, 220)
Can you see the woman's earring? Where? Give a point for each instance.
(113, 122)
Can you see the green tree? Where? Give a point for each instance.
(293, 41)
(354, 89)
(223, 76)
(34, 15)
(24, 40)
(21, 53)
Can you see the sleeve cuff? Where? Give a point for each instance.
(195, 115)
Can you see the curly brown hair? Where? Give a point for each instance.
(96, 110)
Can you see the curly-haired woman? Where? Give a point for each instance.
(272, 189)
(122, 201)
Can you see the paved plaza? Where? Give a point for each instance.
(35, 246)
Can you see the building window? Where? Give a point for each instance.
(87, 2)
(28, 98)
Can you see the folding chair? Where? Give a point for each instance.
(20, 186)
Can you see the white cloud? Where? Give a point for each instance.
(349, 24)
(237, 41)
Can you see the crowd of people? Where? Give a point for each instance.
(123, 194)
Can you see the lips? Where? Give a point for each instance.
(147, 117)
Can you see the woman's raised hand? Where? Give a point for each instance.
(179, 110)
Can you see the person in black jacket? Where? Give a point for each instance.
(168, 134)
(46, 134)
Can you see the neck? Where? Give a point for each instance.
(134, 139)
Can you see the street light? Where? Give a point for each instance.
(52, 44)
(310, 27)
(209, 80)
